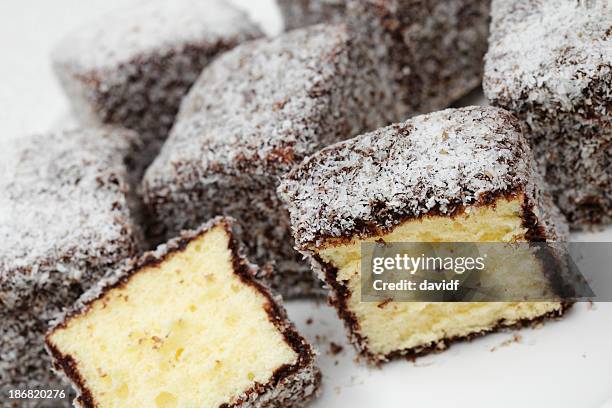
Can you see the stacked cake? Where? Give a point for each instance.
(258, 110)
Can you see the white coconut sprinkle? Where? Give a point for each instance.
(255, 112)
(267, 100)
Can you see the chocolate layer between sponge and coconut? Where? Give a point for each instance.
(334, 193)
(261, 108)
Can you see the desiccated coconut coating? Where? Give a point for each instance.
(133, 66)
(65, 220)
(429, 52)
(433, 164)
(550, 62)
(254, 113)
(301, 13)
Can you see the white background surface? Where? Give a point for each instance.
(563, 364)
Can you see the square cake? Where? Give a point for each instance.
(65, 221)
(550, 63)
(429, 53)
(254, 113)
(458, 175)
(187, 325)
(133, 66)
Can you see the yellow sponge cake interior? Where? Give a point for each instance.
(184, 330)
(409, 328)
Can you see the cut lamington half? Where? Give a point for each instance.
(255, 112)
(550, 63)
(132, 66)
(185, 325)
(459, 175)
(65, 222)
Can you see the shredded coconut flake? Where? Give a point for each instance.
(259, 101)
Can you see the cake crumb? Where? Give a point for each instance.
(384, 303)
(335, 348)
(157, 342)
(309, 321)
(516, 338)
(381, 242)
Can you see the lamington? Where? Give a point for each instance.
(253, 114)
(550, 63)
(65, 221)
(428, 53)
(301, 13)
(132, 67)
(185, 325)
(458, 175)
